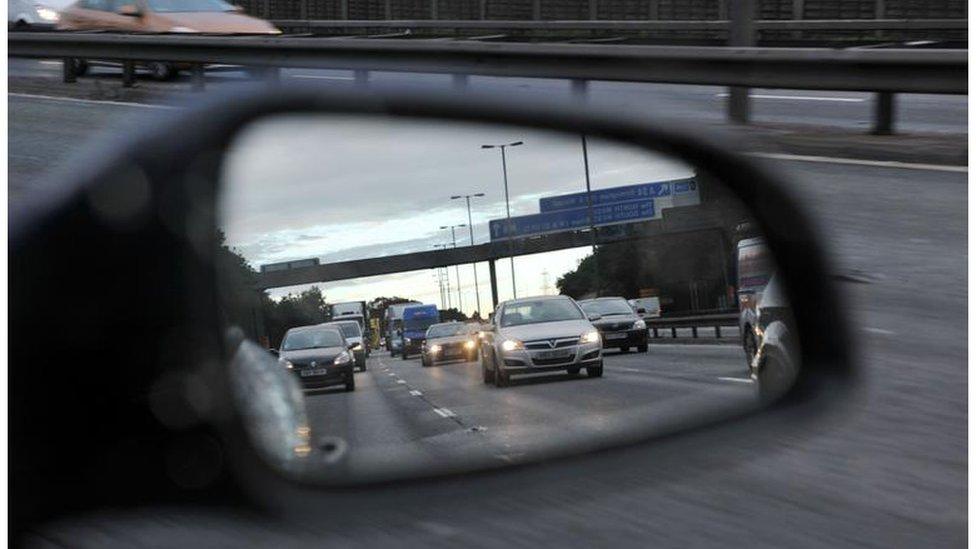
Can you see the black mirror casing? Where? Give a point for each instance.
(156, 248)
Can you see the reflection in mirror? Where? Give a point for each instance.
(452, 296)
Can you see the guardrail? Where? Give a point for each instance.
(884, 71)
(716, 321)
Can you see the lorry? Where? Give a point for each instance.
(394, 322)
(352, 310)
(413, 332)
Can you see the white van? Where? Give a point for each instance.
(646, 307)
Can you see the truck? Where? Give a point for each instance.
(394, 322)
(416, 320)
(352, 310)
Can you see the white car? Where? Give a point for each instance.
(541, 334)
(26, 14)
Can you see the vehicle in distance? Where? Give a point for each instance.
(31, 14)
(394, 324)
(353, 310)
(541, 334)
(319, 356)
(754, 268)
(354, 337)
(449, 341)
(619, 325)
(160, 16)
(416, 320)
(646, 307)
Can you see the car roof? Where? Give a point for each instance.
(536, 298)
(604, 298)
(337, 322)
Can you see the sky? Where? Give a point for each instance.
(341, 187)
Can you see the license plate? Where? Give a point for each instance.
(615, 336)
(551, 355)
(315, 372)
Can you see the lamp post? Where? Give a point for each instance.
(457, 271)
(508, 210)
(474, 266)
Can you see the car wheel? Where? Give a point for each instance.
(162, 71)
(501, 378)
(350, 384)
(487, 373)
(595, 371)
(642, 348)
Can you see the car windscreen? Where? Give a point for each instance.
(178, 6)
(607, 307)
(311, 339)
(543, 310)
(447, 330)
(349, 329)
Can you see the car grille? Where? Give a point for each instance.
(553, 361)
(616, 327)
(543, 344)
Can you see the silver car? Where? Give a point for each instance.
(541, 334)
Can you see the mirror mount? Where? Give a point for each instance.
(593, 317)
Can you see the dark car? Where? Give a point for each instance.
(319, 356)
(449, 341)
(619, 325)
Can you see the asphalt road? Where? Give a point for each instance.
(889, 470)
(701, 104)
(402, 408)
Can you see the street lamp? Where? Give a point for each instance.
(457, 271)
(474, 266)
(508, 210)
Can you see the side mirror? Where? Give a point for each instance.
(130, 10)
(352, 345)
(274, 352)
(593, 317)
(641, 311)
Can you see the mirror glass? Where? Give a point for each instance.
(448, 296)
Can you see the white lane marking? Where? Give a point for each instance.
(630, 370)
(391, 374)
(443, 412)
(90, 101)
(58, 63)
(881, 331)
(416, 393)
(801, 97)
(737, 379)
(320, 77)
(401, 381)
(862, 162)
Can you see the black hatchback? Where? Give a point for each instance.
(619, 325)
(319, 356)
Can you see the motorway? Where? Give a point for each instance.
(888, 469)
(400, 408)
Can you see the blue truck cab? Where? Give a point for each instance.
(416, 320)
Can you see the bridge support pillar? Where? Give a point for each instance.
(494, 283)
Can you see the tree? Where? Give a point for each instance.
(615, 269)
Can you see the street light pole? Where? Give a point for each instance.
(474, 266)
(447, 280)
(457, 270)
(589, 213)
(508, 210)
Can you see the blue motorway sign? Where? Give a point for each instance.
(576, 218)
(614, 195)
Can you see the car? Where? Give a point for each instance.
(413, 331)
(541, 334)
(354, 336)
(754, 268)
(449, 341)
(619, 325)
(319, 355)
(646, 307)
(160, 16)
(34, 15)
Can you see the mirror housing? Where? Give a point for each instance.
(274, 352)
(593, 317)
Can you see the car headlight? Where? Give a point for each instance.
(286, 363)
(590, 337)
(511, 345)
(435, 348)
(640, 325)
(343, 358)
(47, 14)
(182, 29)
(406, 340)
(469, 344)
